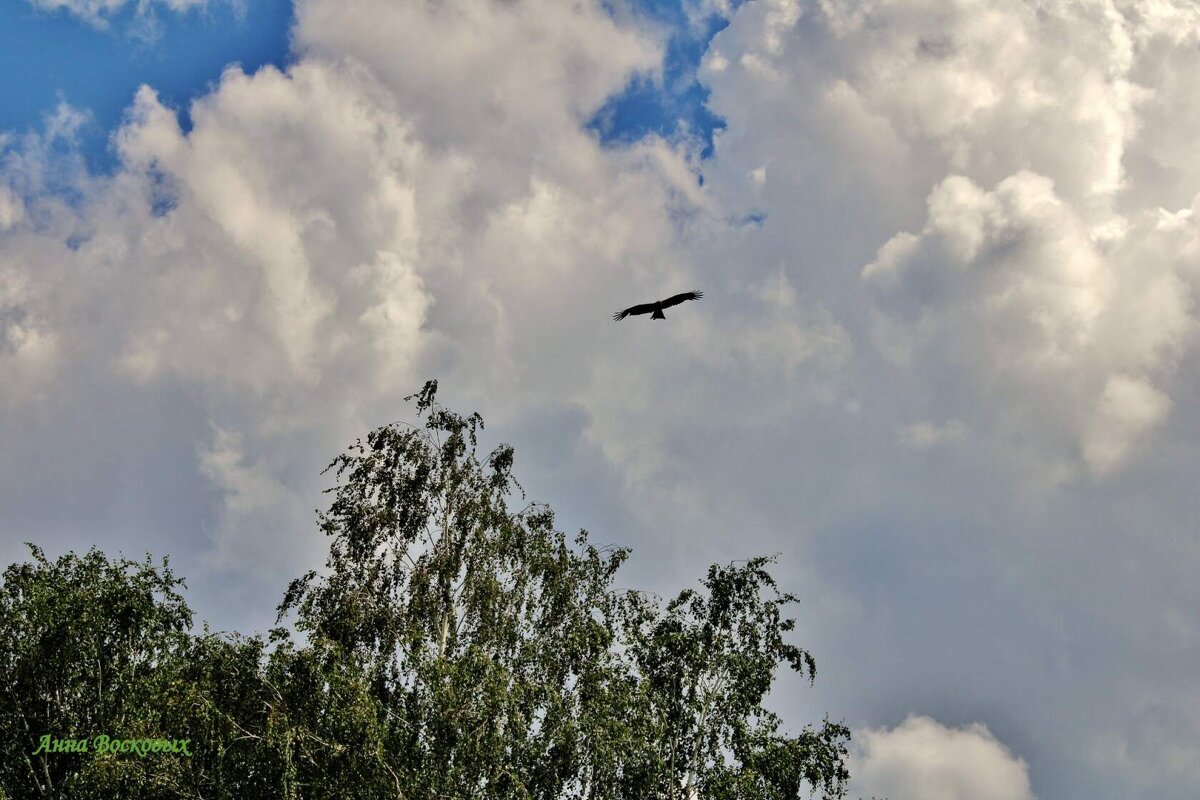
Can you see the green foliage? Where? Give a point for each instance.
(452, 648)
(87, 646)
(707, 662)
(484, 632)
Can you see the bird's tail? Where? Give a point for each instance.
(658, 314)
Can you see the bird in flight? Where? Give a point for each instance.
(657, 307)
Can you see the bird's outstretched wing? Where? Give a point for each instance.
(644, 308)
(679, 298)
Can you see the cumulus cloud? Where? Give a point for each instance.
(1042, 266)
(451, 68)
(921, 759)
(1125, 408)
(28, 348)
(1009, 289)
(299, 248)
(926, 435)
(978, 86)
(11, 208)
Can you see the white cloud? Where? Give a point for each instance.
(1011, 290)
(12, 209)
(921, 759)
(98, 12)
(1035, 270)
(980, 88)
(450, 67)
(313, 253)
(1126, 407)
(926, 435)
(247, 486)
(28, 347)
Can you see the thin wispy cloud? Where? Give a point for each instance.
(102, 12)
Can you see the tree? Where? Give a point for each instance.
(88, 646)
(707, 662)
(96, 648)
(505, 665)
(487, 638)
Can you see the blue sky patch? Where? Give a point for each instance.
(676, 105)
(52, 57)
(48, 57)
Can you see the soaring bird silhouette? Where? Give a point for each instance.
(657, 307)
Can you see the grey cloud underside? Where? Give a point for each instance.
(952, 376)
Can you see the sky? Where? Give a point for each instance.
(945, 365)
